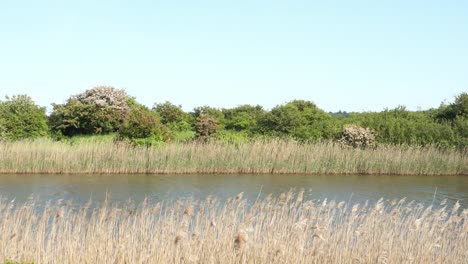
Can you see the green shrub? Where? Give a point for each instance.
(142, 127)
(170, 113)
(233, 137)
(21, 118)
(243, 118)
(300, 119)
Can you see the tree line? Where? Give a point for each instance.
(106, 110)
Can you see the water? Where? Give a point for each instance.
(120, 188)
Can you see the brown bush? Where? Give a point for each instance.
(206, 126)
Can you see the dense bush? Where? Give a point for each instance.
(106, 110)
(208, 110)
(400, 126)
(358, 137)
(142, 127)
(243, 118)
(173, 117)
(206, 127)
(300, 119)
(100, 110)
(459, 108)
(21, 118)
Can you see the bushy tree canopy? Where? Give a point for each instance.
(173, 116)
(244, 117)
(206, 126)
(459, 108)
(300, 119)
(104, 109)
(95, 111)
(21, 118)
(169, 112)
(142, 126)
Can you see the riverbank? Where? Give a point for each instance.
(283, 229)
(258, 157)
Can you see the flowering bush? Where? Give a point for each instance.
(100, 110)
(358, 137)
(105, 97)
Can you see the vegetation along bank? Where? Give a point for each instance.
(104, 130)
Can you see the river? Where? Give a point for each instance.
(120, 188)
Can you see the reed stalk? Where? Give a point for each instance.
(274, 156)
(286, 229)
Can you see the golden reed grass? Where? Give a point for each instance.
(271, 230)
(274, 156)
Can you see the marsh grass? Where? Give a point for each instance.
(285, 229)
(273, 156)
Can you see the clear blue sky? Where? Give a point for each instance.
(343, 55)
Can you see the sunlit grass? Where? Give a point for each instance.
(284, 229)
(274, 156)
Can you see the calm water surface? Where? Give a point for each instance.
(120, 188)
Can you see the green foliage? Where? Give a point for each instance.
(21, 118)
(173, 117)
(107, 111)
(183, 136)
(208, 110)
(459, 108)
(100, 110)
(232, 137)
(169, 112)
(142, 127)
(400, 126)
(242, 118)
(300, 119)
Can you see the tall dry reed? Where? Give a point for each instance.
(276, 156)
(286, 229)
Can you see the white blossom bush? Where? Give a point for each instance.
(105, 97)
(358, 137)
(100, 110)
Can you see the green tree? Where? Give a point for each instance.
(169, 112)
(208, 110)
(300, 119)
(244, 117)
(21, 118)
(100, 110)
(142, 127)
(173, 116)
(459, 108)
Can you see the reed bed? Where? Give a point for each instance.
(284, 229)
(275, 156)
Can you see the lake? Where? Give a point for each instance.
(120, 188)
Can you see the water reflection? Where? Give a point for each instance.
(120, 188)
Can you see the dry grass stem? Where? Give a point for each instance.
(267, 231)
(274, 156)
